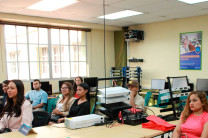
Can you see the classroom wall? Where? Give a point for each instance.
(95, 48)
(160, 49)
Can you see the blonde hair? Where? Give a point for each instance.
(187, 110)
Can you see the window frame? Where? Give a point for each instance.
(50, 61)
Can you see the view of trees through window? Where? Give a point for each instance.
(33, 52)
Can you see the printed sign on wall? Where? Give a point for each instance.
(190, 50)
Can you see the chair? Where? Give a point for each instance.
(41, 118)
(147, 98)
(183, 100)
(182, 103)
(51, 104)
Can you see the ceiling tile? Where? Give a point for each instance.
(130, 4)
(101, 1)
(161, 5)
(17, 3)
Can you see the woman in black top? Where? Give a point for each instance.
(80, 106)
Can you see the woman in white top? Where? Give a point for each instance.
(17, 110)
(135, 99)
(65, 101)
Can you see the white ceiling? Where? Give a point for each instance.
(89, 10)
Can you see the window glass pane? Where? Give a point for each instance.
(54, 36)
(56, 69)
(64, 37)
(10, 34)
(32, 56)
(73, 37)
(43, 36)
(21, 34)
(34, 70)
(74, 69)
(55, 53)
(64, 53)
(43, 50)
(12, 71)
(65, 69)
(33, 52)
(11, 53)
(22, 52)
(73, 53)
(33, 35)
(81, 38)
(82, 69)
(82, 53)
(44, 70)
(23, 71)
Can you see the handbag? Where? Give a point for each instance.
(55, 118)
(157, 124)
(5, 130)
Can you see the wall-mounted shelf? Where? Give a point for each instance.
(136, 60)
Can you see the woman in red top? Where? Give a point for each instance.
(194, 118)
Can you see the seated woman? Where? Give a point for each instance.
(65, 101)
(77, 81)
(194, 118)
(80, 106)
(17, 110)
(4, 88)
(135, 99)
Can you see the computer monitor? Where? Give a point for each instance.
(179, 82)
(62, 81)
(158, 84)
(46, 86)
(1, 91)
(92, 82)
(202, 85)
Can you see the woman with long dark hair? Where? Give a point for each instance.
(17, 110)
(80, 106)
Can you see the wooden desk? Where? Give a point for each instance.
(121, 131)
(156, 110)
(154, 93)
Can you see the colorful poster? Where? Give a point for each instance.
(190, 50)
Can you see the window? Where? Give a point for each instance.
(33, 52)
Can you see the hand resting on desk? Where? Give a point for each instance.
(60, 120)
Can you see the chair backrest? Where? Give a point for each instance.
(182, 102)
(51, 104)
(41, 118)
(183, 97)
(147, 98)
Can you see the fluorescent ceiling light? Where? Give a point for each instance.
(51, 5)
(120, 14)
(192, 1)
